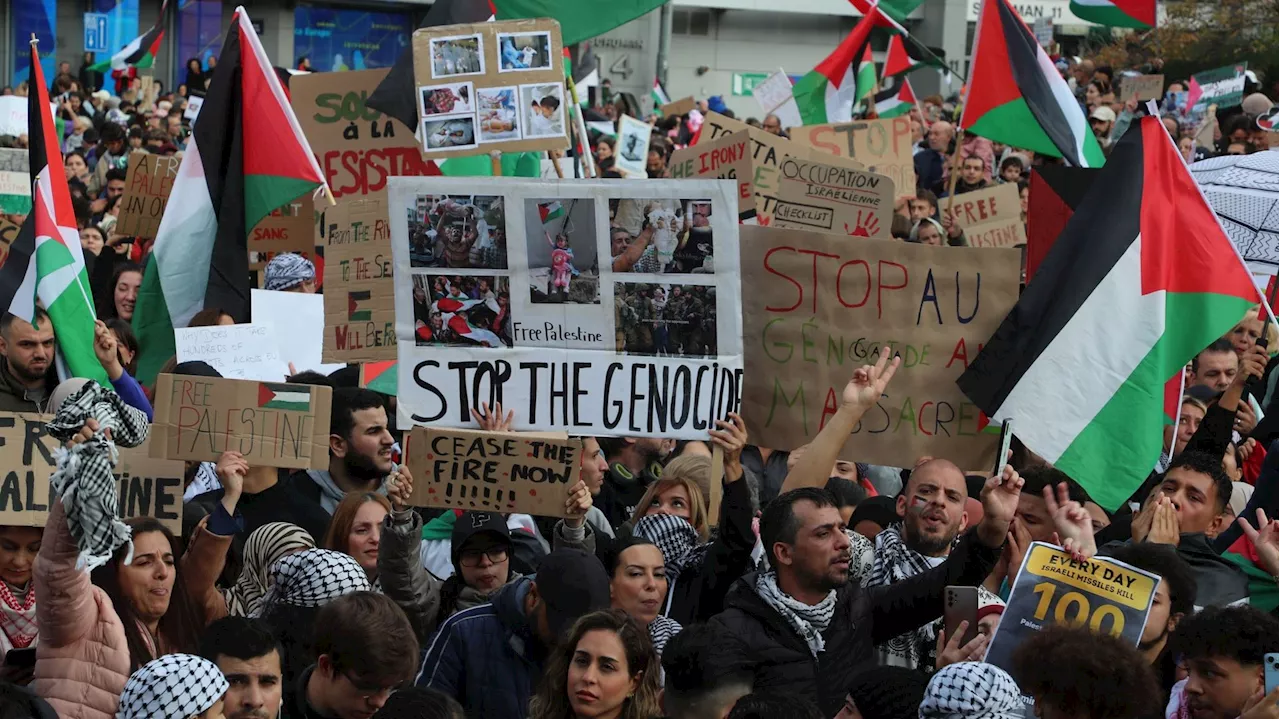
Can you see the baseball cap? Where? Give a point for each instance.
(1104, 113)
(469, 524)
(572, 583)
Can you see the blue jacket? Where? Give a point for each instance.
(487, 657)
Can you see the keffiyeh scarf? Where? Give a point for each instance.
(175, 686)
(661, 629)
(677, 539)
(974, 690)
(894, 562)
(18, 617)
(313, 577)
(84, 479)
(808, 621)
(265, 546)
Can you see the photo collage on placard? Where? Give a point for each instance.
(461, 282)
(457, 115)
(669, 312)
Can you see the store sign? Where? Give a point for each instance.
(745, 82)
(1058, 11)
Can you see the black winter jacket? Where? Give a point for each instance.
(759, 640)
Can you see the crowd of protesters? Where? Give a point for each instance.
(815, 591)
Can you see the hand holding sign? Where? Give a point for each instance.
(492, 420)
(732, 438)
(1266, 540)
(1073, 524)
(231, 469)
(577, 504)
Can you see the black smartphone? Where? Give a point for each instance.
(21, 657)
(961, 606)
(1006, 437)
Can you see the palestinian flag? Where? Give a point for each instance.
(294, 397)
(549, 211)
(141, 52)
(1262, 586)
(658, 95)
(1142, 278)
(1055, 193)
(897, 10)
(1016, 96)
(379, 376)
(897, 60)
(895, 101)
(1139, 14)
(358, 306)
(246, 157)
(579, 19)
(864, 77)
(828, 92)
(45, 264)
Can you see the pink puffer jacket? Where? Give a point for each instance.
(82, 661)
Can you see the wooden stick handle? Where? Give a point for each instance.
(717, 483)
(495, 160)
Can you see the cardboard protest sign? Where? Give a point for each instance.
(297, 322)
(632, 150)
(245, 351)
(492, 471)
(1146, 87)
(727, 157)
(357, 147)
(822, 305)
(194, 103)
(882, 146)
(272, 424)
(767, 151)
(491, 86)
(359, 308)
(774, 92)
(147, 184)
(676, 108)
(290, 228)
(838, 200)
(506, 294)
(15, 181)
(990, 217)
(147, 487)
(1223, 86)
(1052, 588)
(8, 233)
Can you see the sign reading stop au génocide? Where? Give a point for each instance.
(1102, 594)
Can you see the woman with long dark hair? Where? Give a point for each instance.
(606, 669)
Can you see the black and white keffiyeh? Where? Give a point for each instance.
(809, 621)
(973, 690)
(175, 686)
(677, 539)
(83, 478)
(312, 578)
(661, 629)
(894, 562)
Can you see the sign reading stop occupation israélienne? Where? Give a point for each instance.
(1052, 588)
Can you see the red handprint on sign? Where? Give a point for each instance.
(866, 225)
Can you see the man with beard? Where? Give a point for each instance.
(803, 627)
(27, 377)
(360, 446)
(932, 508)
(1222, 649)
(634, 463)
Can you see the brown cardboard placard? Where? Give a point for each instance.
(482, 59)
(882, 146)
(675, 108)
(359, 296)
(8, 233)
(822, 305)
(726, 157)
(829, 198)
(990, 217)
(147, 487)
(357, 147)
(767, 150)
(147, 184)
(272, 424)
(1147, 87)
(287, 229)
(522, 472)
